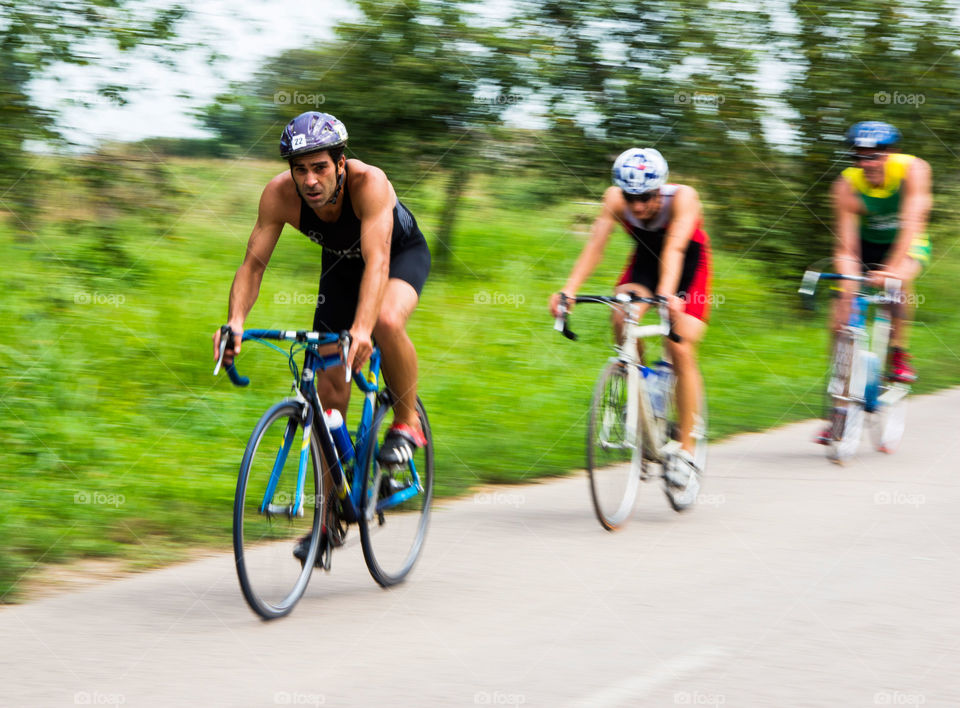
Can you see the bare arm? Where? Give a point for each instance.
(374, 205)
(246, 282)
(914, 210)
(592, 252)
(686, 215)
(846, 251)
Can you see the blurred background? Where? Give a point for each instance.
(136, 138)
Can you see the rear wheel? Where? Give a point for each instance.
(612, 465)
(683, 499)
(889, 421)
(267, 521)
(396, 506)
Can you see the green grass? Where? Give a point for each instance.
(106, 364)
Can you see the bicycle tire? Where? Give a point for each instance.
(699, 433)
(847, 414)
(271, 579)
(614, 465)
(392, 537)
(888, 422)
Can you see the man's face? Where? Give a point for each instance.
(643, 206)
(872, 160)
(315, 176)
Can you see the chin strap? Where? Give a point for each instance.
(340, 178)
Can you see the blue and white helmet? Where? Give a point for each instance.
(640, 170)
(872, 134)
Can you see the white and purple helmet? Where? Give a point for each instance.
(640, 170)
(311, 132)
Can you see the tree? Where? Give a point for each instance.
(36, 36)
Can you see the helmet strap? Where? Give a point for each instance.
(340, 177)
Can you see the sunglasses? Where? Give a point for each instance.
(866, 156)
(642, 198)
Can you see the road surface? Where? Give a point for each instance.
(793, 582)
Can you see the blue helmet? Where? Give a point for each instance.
(640, 170)
(312, 132)
(872, 134)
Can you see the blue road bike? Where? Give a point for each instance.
(299, 477)
(857, 387)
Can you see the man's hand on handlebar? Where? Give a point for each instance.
(361, 347)
(561, 303)
(231, 351)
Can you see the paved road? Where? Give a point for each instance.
(793, 583)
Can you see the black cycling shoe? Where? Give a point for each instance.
(303, 546)
(399, 445)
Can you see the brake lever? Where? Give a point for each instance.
(344, 353)
(226, 334)
(560, 323)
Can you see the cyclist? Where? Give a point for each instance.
(672, 260)
(881, 206)
(374, 264)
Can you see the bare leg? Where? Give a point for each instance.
(902, 314)
(689, 380)
(399, 361)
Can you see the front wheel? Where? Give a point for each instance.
(396, 503)
(269, 515)
(612, 465)
(846, 389)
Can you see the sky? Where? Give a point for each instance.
(163, 99)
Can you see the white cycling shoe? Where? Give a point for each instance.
(682, 478)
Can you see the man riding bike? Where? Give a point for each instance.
(374, 264)
(671, 260)
(881, 206)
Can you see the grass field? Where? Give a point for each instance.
(117, 440)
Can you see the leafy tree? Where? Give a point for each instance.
(37, 36)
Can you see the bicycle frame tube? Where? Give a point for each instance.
(638, 399)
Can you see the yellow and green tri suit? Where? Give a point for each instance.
(880, 224)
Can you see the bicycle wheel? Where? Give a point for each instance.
(614, 476)
(266, 522)
(889, 421)
(681, 500)
(846, 387)
(396, 510)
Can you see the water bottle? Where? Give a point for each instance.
(341, 438)
(660, 387)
